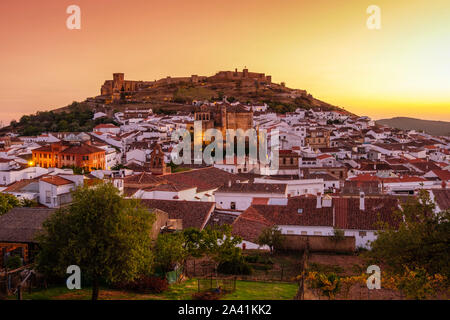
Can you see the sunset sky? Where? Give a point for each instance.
(321, 46)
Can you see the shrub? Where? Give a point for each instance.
(325, 268)
(251, 259)
(265, 260)
(235, 266)
(262, 267)
(145, 284)
(151, 285)
(13, 262)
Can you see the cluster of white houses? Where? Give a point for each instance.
(335, 171)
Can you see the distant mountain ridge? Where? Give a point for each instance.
(437, 128)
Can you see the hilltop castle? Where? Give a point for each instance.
(116, 88)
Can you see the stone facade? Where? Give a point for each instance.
(118, 86)
(223, 117)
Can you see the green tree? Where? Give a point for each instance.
(217, 243)
(107, 236)
(422, 239)
(7, 202)
(271, 237)
(192, 242)
(169, 251)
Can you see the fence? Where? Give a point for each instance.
(260, 272)
(304, 266)
(13, 281)
(214, 283)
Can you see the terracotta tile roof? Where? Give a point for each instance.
(364, 178)
(349, 216)
(250, 224)
(204, 179)
(442, 198)
(81, 149)
(425, 166)
(324, 156)
(355, 187)
(303, 211)
(142, 180)
(56, 180)
(193, 213)
(46, 148)
(369, 177)
(22, 224)
(19, 185)
(443, 175)
(260, 201)
(171, 187)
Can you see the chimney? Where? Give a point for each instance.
(229, 183)
(327, 201)
(319, 200)
(361, 201)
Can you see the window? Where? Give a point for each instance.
(290, 232)
(304, 233)
(233, 205)
(362, 234)
(317, 233)
(47, 196)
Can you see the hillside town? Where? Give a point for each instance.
(335, 171)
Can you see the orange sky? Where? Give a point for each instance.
(322, 46)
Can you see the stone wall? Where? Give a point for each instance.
(319, 243)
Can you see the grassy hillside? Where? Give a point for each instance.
(76, 117)
(168, 99)
(438, 128)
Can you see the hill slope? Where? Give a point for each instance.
(169, 97)
(438, 128)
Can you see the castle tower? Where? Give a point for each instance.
(118, 81)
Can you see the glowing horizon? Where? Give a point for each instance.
(322, 47)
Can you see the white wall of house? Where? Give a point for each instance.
(241, 201)
(136, 154)
(393, 187)
(48, 193)
(188, 195)
(8, 177)
(297, 187)
(362, 237)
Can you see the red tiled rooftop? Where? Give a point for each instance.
(56, 180)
